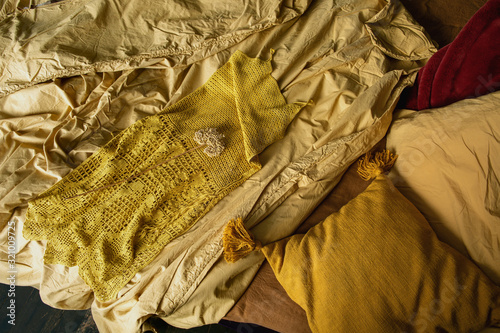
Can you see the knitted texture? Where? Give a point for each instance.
(114, 232)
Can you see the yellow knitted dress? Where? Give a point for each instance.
(114, 232)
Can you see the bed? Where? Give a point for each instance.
(72, 79)
(266, 302)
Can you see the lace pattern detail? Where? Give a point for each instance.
(113, 232)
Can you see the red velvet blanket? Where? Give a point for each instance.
(466, 68)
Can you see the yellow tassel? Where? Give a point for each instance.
(237, 241)
(369, 168)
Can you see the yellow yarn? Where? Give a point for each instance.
(115, 231)
(369, 168)
(238, 241)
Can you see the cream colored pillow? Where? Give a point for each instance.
(377, 266)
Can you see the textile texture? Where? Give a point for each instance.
(377, 266)
(67, 93)
(112, 233)
(265, 302)
(468, 67)
(448, 168)
(442, 19)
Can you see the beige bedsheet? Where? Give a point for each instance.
(448, 167)
(77, 72)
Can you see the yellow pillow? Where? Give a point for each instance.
(377, 266)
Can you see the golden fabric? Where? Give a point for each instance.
(377, 266)
(448, 169)
(135, 59)
(114, 232)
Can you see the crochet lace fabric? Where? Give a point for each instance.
(114, 232)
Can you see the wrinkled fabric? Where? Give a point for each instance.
(443, 19)
(265, 302)
(377, 266)
(116, 211)
(80, 36)
(337, 54)
(448, 168)
(11, 6)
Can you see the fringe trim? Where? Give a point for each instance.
(238, 241)
(370, 167)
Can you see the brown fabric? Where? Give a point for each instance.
(347, 189)
(163, 55)
(443, 19)
(376, 265)
(266, 293)
(164, 52)
(265, 302)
